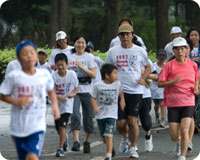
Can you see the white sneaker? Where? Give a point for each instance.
(181, 158)
(178, 149)
(162, 124)
(1, 157)
(133, 153)
(148, 144)
(198, 157)
(190, 146)
(124, 145)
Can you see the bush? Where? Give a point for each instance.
(8, 55)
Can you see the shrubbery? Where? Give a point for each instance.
(8, 55)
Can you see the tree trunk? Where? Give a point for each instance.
(58, 19)
(162, 27)
(114, 12)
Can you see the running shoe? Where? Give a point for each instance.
(124, 145)
(60, 152)
(133, 153)
(148, 144)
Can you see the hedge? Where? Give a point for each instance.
(8, 55)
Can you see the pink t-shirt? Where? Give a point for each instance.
(181, 93)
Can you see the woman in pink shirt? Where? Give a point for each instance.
(180, 79)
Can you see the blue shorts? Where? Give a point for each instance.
(106, 126)
(157, 101)
(32, 143)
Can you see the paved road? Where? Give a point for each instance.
(163, 146)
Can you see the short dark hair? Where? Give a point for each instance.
(107, 69)
(125, 19)
(61, 57)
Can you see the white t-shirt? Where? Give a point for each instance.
(98, 61)
(116, 41)
(44, 66)
(13, 65)
(64, 86)
(156, 92)
(169, 50)
(106, 96)
(194, 53)
(129, 62)
(87, 60)
(146, 89)
(66, 51)
(28, 119)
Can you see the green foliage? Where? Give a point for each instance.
(8, 55)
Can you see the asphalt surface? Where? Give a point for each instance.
(163, 146)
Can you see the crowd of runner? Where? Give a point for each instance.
(120, 90)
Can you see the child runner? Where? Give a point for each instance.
(156, 92)
(26, 90)
(42, 56)
(66, 86)
(105, 104)
(180, 77)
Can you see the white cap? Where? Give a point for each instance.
(175, 30)
(179, 41)
(42, 51)
(60, 35)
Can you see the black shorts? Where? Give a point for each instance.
(133, 104)
(62, 122)
(175, 114)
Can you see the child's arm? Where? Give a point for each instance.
(71, 95)
(62, 99)
(55, 108)
(21, 102)
(94, 105)
(122, 100)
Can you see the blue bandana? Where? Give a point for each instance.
(22, 44)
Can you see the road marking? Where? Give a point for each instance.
(159, 128)
(94, 144)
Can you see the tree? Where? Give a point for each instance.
(114, 12)
(162, 23)
(58, 18)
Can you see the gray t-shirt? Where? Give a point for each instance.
(106, 96)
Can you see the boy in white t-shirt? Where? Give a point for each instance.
(66, 87)
(42, 56)
(105, 104)
(156, 92)
(26, 90)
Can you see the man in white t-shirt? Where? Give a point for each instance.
(61, 47)
(129, 59)
(136, 40)
(175, 32)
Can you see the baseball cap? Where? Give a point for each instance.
(179, 41)
(23, 44)
(60, 35)
(125, 28)
(175, 30)
(90, 45)
(161, 54)
(42, 51)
